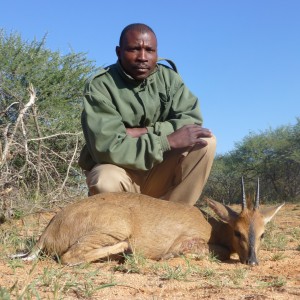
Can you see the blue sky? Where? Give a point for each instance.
(241, 58)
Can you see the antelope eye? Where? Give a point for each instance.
(237, 234)
(262, 236)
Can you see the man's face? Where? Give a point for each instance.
(138, 53)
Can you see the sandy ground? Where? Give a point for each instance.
(276, 277)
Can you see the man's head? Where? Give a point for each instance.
(137, 50)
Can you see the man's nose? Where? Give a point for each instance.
(142, 55)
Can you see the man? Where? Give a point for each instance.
(143, 127)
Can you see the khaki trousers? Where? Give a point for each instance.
(179, 178)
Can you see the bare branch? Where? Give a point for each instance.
(55, 135)
(69, 166)
(34, 109)
(12, 104)
(19, 119)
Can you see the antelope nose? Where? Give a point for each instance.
(252, 258)
(252, 263)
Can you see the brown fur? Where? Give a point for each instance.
(112, 223)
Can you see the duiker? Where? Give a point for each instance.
(114, 223)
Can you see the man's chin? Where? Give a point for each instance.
(140, 77)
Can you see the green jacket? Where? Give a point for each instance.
(114, 101)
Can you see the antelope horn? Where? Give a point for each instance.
(256, 206)
(244, 205)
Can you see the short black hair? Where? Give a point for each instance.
(139, 26)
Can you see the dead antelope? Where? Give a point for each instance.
(114, 223)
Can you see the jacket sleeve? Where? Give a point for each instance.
(106, 137)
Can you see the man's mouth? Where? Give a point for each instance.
(143, 67)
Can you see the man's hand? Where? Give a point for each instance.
(136, 132)
(189, 135)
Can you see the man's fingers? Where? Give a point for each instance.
(202, 142)
(193, 128)
(203, 132)
(189, 135)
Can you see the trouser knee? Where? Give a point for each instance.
(211, 145)
(107, 178)
(207, 152)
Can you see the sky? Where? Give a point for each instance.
(241, 58)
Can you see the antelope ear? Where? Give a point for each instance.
(269, 212)
(224, 212)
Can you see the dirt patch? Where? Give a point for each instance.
(277, 276)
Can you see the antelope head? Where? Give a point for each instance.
(248, 226)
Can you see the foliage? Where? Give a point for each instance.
(223, 185)
(273, 156)
(40, 110)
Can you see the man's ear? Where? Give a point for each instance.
(118, 51)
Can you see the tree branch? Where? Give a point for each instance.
(19, 119)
